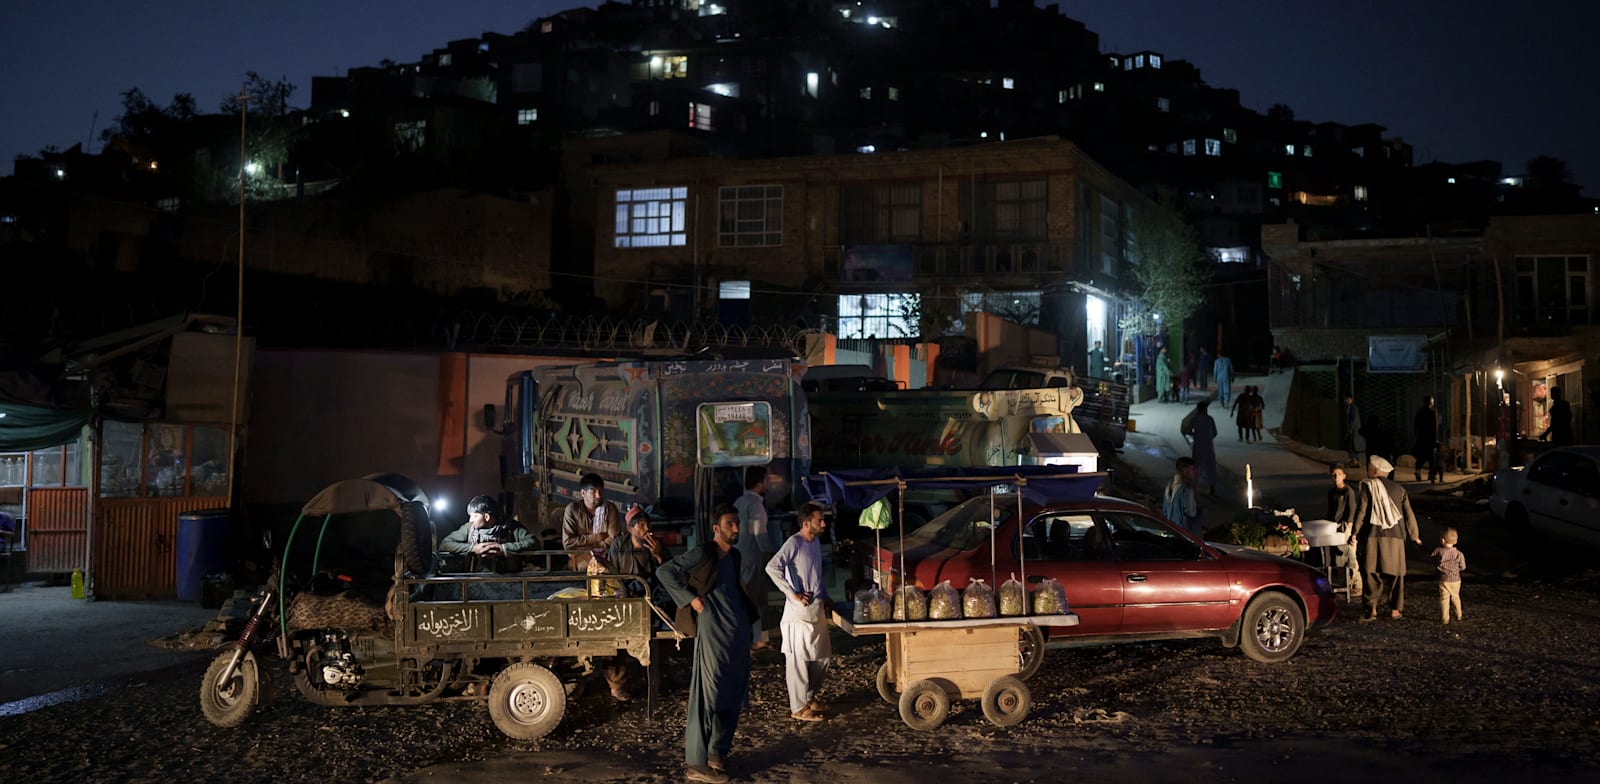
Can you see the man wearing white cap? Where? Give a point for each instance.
(1384, 521)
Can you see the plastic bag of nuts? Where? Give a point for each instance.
(944, 603)
(978, 600)
(910, 604)
(1050, 598)
(1013, 597)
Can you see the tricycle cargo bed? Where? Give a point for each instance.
(512, 615)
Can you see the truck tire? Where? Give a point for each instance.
(526, 701)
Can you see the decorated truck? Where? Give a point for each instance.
(936, 427)
(657, 432)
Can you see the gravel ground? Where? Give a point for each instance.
(1511, 691)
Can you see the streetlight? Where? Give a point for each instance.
(252, 168)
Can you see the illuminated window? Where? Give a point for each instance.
(527, 116)
(1099, 87)
(1188, 146)
(1306, 151)
(1274, 179)
(866, 93)
(811, 84)
(1008, 83)
(655, 108)
(1229, 136)
(1288, 149)
(1360, 152)
(733, 289)
(1127, 64)
(894, 93)
(445, 59)
(545, 27)
(700, 116)
(1163, 104)
(651, 217)
(1116, 62)
(674, 67)
(750, 216)
(892, 315)
(1213, 147)
(1360, 193)
(1061, 96)
(1138, 61)
(1155, 61)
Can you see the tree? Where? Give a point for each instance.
(1545, 172)
(1171, 269)
(271, 137)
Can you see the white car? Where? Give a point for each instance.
(1558, 494)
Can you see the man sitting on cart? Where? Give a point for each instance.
(491, 545)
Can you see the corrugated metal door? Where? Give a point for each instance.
(135, 545)
(58, 528)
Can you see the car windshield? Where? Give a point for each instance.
(967, 526)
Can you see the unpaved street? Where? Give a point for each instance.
(1509, 693)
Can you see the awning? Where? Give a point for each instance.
(860, 487)
(25, 427)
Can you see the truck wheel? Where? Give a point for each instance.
(1271, 629)
(1030, 651)
(886, 685)
(1006, 701)
(526, 701)
(924, 705)
(227, 703)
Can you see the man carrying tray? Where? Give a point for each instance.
(796, 570)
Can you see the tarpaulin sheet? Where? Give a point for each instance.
(860, 487)
(25, 427)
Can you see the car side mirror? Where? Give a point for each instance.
(490, 420)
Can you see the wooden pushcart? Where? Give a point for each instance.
(931, 662)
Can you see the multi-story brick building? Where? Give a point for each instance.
(872, 242)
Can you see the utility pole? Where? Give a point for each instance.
(238, 313)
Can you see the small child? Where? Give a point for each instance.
(1451, 564)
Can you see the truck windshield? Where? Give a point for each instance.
(967, 526)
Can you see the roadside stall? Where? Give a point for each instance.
(930, 660)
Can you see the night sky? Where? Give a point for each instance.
(1461, 81)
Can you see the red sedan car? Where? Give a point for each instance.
(1129, 574)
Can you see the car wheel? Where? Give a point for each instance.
(526, 701)
(886, 685)
(924, 705)
(1006, 701)
(1272, 628)
(1030, 651)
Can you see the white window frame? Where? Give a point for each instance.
(652, 217)
(702, 116)
(881, 315)
(1213, 146)
(750, 216)
(527, 116)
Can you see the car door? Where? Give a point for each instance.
(1574, 509)
(1545, 491)
(1169, 583)
(1073, 547)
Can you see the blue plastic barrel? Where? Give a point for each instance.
(204, 536)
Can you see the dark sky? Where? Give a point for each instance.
(1462, 80)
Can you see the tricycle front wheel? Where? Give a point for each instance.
(526, 701)
(228, 701)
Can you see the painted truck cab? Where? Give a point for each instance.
(653, 429)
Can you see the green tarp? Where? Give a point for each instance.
(24, 428)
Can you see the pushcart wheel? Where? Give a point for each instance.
(1006, 701)
(1030, 651)
(924, 705)
(886, 685)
